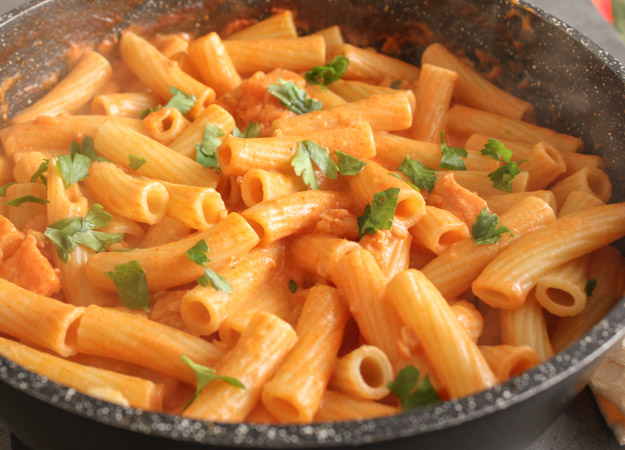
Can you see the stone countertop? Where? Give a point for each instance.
(580, 426)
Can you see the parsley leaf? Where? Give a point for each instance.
(321, 156)
(67, 233)
(590, 286)
(420, 175)
(204, 375)
(496, 150)
(405, 181)
(43, 167)
(73, 168)
(485, 230)
(303, 167)
(329, 73)
(86, 148)
(206, 152)
(197, 254)
(217, 281)
(179, 100)
(293, 287)
(502, 177)
(131, 284)
(379, 214)
(3, 189)
(396, 84)
(26, 199)
(293, 97)
(410, 394)
(452, 156)
(97, 217)
(136, 161)
(348, 164)
(301, 162)
(252, 130)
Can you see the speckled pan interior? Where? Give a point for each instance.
(576, 87)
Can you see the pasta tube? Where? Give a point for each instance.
(144, 342)
(204, 309)
(363, 373)
(167, 265)
(253, 360)
(295, 391)
(159, 73)
(134, 391)
(142, 200)
(91, 72)
(453, 356)
(38, 320)
(507, 280)
(116, 142)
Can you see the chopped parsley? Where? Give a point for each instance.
(131, 284)
(452, 157)
(197, 254)
(67, 233)
(203, 376)
(329, 73)
(378, 214)
(421, 176)
(179, 100)
(135, 161)
(26, 199)
(410, 394)
(486, 229)
(252, 130)
(294, 97)
(39, 173)
(206, 152)
(73, 168)
(308, 151)
(590, 286)
(348, 164)
(502, 176)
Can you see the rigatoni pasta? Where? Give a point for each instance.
(258, 234)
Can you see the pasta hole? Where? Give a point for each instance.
(407, 208)
(198, 314)
(258, 228)
(71, 336)
(167, 123)
(229, 336)
(450, 237)
(210, 212)
(371, 372)
(597, 184)
(560, 297)
(255, 191)
(156, 201)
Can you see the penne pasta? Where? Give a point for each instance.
(564, 240)
(91, 72)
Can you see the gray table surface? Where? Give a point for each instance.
(580, 427)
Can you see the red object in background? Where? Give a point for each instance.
(605, 8)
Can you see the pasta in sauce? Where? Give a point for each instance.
(275, 228)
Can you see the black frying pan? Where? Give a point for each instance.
(576, 88)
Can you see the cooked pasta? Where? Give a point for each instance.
(279, 220)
